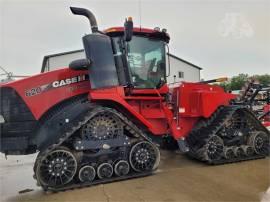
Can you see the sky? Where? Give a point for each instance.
(225, 38)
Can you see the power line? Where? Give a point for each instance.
(3, 69)
(10, 75)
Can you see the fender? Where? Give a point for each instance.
(54, 125)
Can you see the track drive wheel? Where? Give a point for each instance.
(56, 168)
(144, 156)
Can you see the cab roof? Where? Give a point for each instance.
(118, 31)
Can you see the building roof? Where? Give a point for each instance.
(189, 63)
(46, 57)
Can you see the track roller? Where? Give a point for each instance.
(248, 150)
(87, 174)
(104, 170)
(121, 168)
(228, 153)
(238, 152)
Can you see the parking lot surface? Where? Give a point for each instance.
(178, 179)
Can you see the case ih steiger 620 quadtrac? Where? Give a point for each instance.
(102, 119)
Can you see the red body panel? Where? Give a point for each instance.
(194, 101)
(149, 106)
(266, 108)
(156, 114)
(44, 96)
(266, 120)
(139, 106)
(201, 100)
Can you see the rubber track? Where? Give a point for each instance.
(132, 128)
(100, 181)
(211, 127)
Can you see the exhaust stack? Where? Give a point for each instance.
(88, 14)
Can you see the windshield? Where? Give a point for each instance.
(146, 61)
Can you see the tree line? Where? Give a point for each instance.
(237, 82)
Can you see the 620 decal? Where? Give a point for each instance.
(33, 91)
(56, 84)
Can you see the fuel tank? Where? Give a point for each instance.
(200, 100)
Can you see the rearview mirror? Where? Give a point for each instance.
(128, 29)
(81, 64)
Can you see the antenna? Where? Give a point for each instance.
(140, 13)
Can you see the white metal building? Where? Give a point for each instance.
(181, 70)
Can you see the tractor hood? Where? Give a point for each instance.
(48, 88)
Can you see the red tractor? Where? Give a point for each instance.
(103, 118)
(256, 97)
(266, 116)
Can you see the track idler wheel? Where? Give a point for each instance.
(213, 149)
(56, 168)
(121, 168)
(87, 174)
(144, 156)
(104, 170)
(259, 141)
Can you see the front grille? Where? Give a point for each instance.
(19, 121)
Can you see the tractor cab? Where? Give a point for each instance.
(123, 56)
(143, 58)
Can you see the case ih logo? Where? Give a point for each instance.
(68, 81)
(56, 84)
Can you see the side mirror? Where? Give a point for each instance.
(128, 29)
(81, 64)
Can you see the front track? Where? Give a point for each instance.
(102, 147)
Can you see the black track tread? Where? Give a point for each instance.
(211, 126)
(100, 181)
(73, 127)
